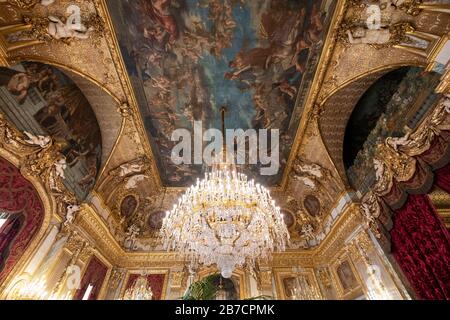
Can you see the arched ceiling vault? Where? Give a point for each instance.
(337, 109)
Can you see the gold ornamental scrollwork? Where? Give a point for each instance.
(177, 279)
(117, 275)
(23, 4)
(411, 7)
(40, 29)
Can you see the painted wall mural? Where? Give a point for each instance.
(128, 206)
(41, 101)
(346, 276)
(187, 58)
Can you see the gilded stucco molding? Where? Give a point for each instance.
(322, 66)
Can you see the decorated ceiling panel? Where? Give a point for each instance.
(186, 59)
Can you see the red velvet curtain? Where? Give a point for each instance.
(94, 275)
(21, 201)
(442, 178)
(156, 282)
(421, 246)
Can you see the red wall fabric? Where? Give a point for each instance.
(442, 178)
(156, 282)
(94, 275)
(421, 247)
(20, 199)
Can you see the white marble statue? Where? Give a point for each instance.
(127, 168)
(60, 30)
(41, 141)
(308, 173)
(368, 36)
(46, 3)
(367, 213)
(308, 231)
(60, 166)
(134, 180)
(307, 181)
(130, 236)
(394, 143)
(379, 169)
(310, 169)
(72, 209)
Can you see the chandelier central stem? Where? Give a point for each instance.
(223, 110)
(225, 219)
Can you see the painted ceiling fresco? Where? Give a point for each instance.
(186, 59)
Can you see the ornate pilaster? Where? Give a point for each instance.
(265, 281)
(177, 282)
(78, 247)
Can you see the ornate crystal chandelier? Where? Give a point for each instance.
(37, 290)
(33, 290)
(139, 291)
(226, 220)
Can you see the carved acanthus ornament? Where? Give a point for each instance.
(124, 110)
(396, 160)
(28, 4)
(177, 279)
(264, 279)
(398, 35)
(411, 7)
(324, 277)
(117, 275)
(23, 4)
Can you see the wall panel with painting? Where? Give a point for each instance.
(40, 100)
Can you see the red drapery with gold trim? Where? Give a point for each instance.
(21, 201)
(94, 275)
(421, 246)
(442, 178)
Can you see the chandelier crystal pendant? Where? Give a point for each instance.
(139, 291)
(225, 219)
